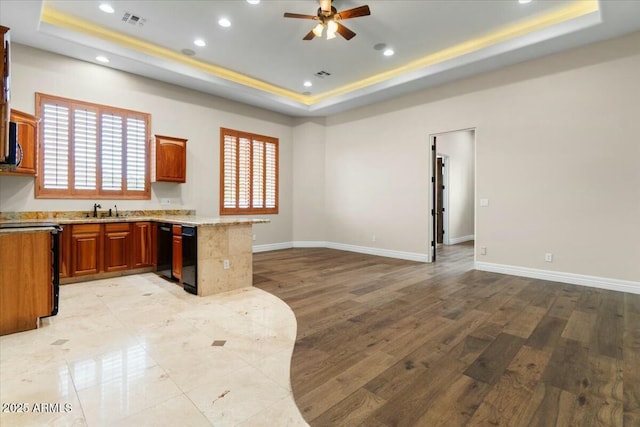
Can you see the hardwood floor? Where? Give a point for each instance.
(386, 342)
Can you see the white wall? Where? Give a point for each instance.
(460, 168)
(309, 177)
(557, 154)
(175, 111)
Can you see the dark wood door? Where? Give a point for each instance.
(171, 159)
(86, 249)
(65, 252)
(142, 245)
(117, 247)
(176, 265)
(439, 200)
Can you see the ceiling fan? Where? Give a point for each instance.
(330, 18)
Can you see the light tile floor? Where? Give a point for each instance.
(137, 351)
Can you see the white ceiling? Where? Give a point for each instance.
(262, 60)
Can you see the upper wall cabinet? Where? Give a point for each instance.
(170, 159)
(27, 136)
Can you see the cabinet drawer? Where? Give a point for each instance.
(85, 228)
(118, 226)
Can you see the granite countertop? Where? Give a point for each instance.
(194, 220)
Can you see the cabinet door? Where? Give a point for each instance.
(86, 249)
(142, 245)
(5, 79)
(117, 247)
(25, 275)
(27, 142)
(170, 159)
(65, 252)
(176, 265)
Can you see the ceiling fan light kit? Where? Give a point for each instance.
(329, 17)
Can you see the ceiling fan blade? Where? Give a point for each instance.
(345, 32)
(355, 12)
(298, 15)
(309, 35)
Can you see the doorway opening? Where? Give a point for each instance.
(452, 189)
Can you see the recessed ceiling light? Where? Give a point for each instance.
(199, 42)
(224, 22)
(524, 1)
(388, 52)
(379, 46)
(253, 1)
(106, 8)
(308, 84)
(102, 59)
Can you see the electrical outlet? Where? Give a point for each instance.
(226, 264)
(548, 257)
(373, 238)
(165, 202)
(254, 237)
(483, 251)
(484, 202)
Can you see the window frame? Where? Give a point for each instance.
(249, 210)
(70, 192)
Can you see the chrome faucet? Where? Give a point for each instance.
(95, 209)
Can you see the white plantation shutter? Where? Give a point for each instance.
(271, 176)
(91, 150)
(249, 171)
(244, 173)
(112, 143)
(230, 168)
(136, 154)
(55, 124)
(258, 174)
(85, 149)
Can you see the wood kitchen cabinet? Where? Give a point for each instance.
(170, 159)
(5, 90)
(117, 246)
(27, 135)
(65, 252)
(142, 254)
(86, 249)
(26, 293)
(176, 262)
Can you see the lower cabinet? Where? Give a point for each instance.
(176, 264)
(25, 275)
(89, 249)
(86, 249)
(117, 246)
(143, 247)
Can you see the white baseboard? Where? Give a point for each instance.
(409, 256)
(456, 240)
(310, 244)
(558, 276)
(272, 247)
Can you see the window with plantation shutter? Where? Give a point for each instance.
(248, 173)
(92, 151)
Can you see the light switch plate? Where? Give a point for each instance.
(484, 202)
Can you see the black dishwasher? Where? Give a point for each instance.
(190, 259)
(164, 251)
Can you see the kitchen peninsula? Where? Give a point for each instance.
(224, 245)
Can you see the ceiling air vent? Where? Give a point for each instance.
(322, 74)
(132, 19)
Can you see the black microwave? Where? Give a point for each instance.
(11, 160)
